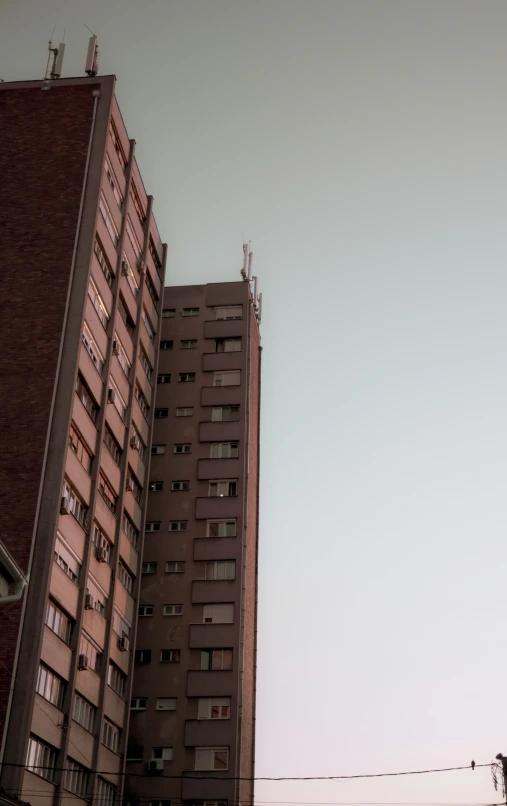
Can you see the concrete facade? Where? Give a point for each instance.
(193, 707)
(82, 279)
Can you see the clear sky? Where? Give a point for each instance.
(362, 147)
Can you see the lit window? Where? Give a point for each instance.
(220, 570)
(214, 708)
(217, 660)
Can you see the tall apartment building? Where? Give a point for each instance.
(81, 280)
(192, 727)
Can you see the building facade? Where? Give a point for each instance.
(192, 725)
(81, 285)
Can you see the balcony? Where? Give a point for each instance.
(218, 506)
(196, 789)
(211, 684)
(221, 431)
(213, 636)
(222, 395)
(218, 469)
(210, 591)
(217, 548)
(209, 732)
(216, 361)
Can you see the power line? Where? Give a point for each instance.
(260, 778)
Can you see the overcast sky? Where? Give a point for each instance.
(362, 147)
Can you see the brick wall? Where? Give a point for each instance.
(249, 673)
(43, 145)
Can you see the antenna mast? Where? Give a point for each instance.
(92, 58)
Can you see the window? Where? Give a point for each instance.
(228, 345)
(130, 530)
(232, 378)
(108, 219)
(164, 378)
(135, 752)
(83, 712)
(175, 567)
(214, 708)
(154, 254)
(152, 526)
(111, 735)
(224, 450)
(74, 505)
(116, 679)
(138, 703)
(168, 313)
(169, 655)
(66, 559)
(102, 542)
(161, 413)
(86, 398)
(107, 493)
(121, 626)
(186, 377)
(180, 486)
(145, 610)
(114, 397)
(91, 348)
(155, 486)
(75, 778)
(41, 758)
(143, 403)
(216, 660)
(105, 794)
(190, 312)
(143, 656)
(218, 614)
(151, 289)
(136, 246)
(220, 570)
(138, 205)
(98, 303)
(224, 414)
(221, 529)
(164, 753)
(98, 596)
(178, 526)
(148, 325)
(143, 358)
(173, 610)
(103, 261)
(136, 441)
(126, 270)
(50, 686)
(188, 344)
(111, 178)
(121, 355)
(112, 446)
(127, 319)
(91, 650)
(113, 131)
(185, 411)
(149, 568)
(125, 577)
(133, 486)
(166, 704)
(166, 344)
(211, 758)
(182, 448)
(157, 450)
(233, 312)
(223, 489)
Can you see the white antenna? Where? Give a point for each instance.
(255, 292)
(92, 57)
(259, 313)
(250, 258)
(245, 261)
(58, 54)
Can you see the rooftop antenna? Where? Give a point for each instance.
(259, 312)
(92, 57)
(250, 258)
(245, 261)
(50, 51)
(255, 292)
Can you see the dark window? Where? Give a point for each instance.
(112, 446)
(216, 659)
(185, 448)
(127, 319)
(80, 448)
(135, 753)
(186, 377)
(143, 656)
(86, 398)
(161, 413)
(180, 486)
(170, 655)
(168, 313)
(164, 378)
(155, 486)
(190, 312)
(166, 344)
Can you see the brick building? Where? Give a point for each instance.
(81, 285)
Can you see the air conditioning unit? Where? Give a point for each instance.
(124, 268)
(134, 442)
(89, 602)
(156, 765)
(140, 266)
(129, 485)
(123, 644)
(64, 505)
(101, 554)
(82, 662)
(110, 396)
(116, 347)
